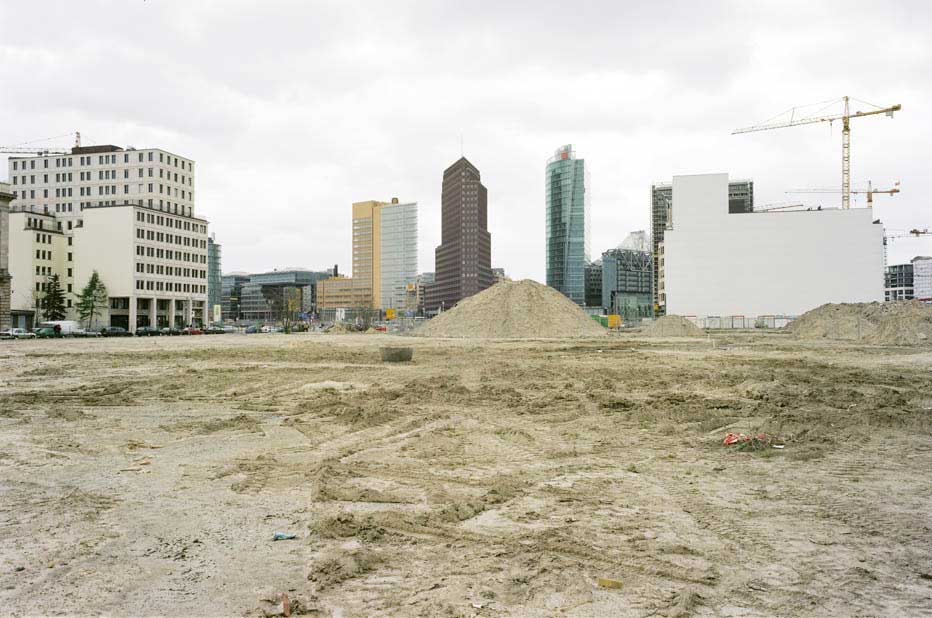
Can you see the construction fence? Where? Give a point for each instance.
(732, 322)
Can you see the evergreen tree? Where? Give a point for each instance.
(92, 300)
(53, 305)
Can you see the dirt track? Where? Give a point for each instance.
(147, 477)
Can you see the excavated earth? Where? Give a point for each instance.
(513, 310)
(484, 478)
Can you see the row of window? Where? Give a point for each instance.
(169, 286)
(104, 160)
(44, 239)
(146, 217)
(168, 254)
(107, 190)
(177, 271)
(101, 175)
(162, 237)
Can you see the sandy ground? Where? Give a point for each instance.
(146, 477)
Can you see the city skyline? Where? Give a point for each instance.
(299, 126)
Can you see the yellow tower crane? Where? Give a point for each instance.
(869, 192)
(40, 150)
(845, 117)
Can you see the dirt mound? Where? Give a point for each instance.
(907, 322)
(672, 326)
(513, 310)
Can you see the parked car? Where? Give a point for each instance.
(17, 333)
(229, 329)
(169, 330)
(148, 331)
(214, 330)
(250, 330)
(114, 331)
(48, 332)
(85, 333)
(192, 330)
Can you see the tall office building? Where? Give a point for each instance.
(398, 253)
(367, 265)
(384, 258)
(463, 260)
(740, 201)
(567, 223)
(214, 283)
(127, 214)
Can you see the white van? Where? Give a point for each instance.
(68, 327)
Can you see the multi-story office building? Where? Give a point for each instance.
(338, 292)
(231, 289)
(367, 229)
(272, 296)
(626, 278)
(594, 284)
(567, 223)
(898, 282)
(463, 260)
(5, 198)
(740, 201)
(214, 283)
(398, 253)
(127, 214)
(749, 265)
(384, 258)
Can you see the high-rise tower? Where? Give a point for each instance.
(567, 224)
(464, 258)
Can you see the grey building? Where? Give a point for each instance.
(740, 201)
(231, 289)
(264, 297)
(626, 278)
(214, 283)
(567, 209)
(6, 196)
(594, 284)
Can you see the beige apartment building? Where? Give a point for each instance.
(127, 214)
(5, 198)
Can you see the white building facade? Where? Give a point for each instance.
(764, 263)
(127, 214)
(398, 253)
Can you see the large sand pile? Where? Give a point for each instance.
(513, 310)
(907, 322)
(672, 326)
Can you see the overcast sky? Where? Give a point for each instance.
(294, 110)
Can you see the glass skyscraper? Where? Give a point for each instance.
(398, 247)
(567, 235)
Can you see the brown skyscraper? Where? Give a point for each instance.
(463, 261)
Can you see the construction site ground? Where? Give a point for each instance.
(144, 477)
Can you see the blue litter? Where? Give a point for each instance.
(284, 536)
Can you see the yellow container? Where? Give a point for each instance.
(614, 321)
(389, 314)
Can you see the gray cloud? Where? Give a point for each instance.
(294, 110)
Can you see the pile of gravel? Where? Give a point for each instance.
(513, 310)
(672, 326)
(904, 322)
